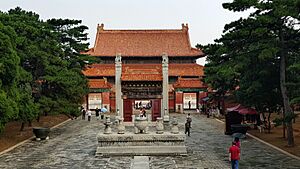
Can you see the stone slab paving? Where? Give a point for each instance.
(73, 146)
(208, 142)
(140, 162)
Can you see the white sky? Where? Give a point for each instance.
(206, 18)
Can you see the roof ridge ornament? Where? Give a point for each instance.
(185, 27)
(101, 27)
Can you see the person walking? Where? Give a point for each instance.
(188, 128)
(83, 112)
(101, 114)
(237, 142)
(189, 119)
(234, 156)
(97, 113)
(89, 114)
(188, 124)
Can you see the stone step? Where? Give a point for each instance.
(141, 151)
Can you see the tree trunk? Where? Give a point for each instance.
(294, 120)
(287, 109)
(22, 126)
(283, 126)
(219, 104)
(29, 123)
(38, 118)
(223, 104)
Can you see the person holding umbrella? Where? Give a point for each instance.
(103, 110)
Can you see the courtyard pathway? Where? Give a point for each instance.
(73, 146)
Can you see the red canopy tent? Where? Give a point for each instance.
(234, 118)
(245, 111)
(242, 110)
(233, 108)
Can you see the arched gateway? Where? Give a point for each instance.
(151, 69)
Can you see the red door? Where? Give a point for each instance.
(127, 110)
(156, 109)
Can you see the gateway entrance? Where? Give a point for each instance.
(138, 96)
(129, 109)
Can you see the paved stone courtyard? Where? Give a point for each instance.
(73, 146)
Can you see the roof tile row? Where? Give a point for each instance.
(145, 70)
(174, 42)
(99, 84)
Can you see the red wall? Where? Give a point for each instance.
(112, 104)
(105, 98)
(171, 101)
(179, 97)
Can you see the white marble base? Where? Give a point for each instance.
(141, 144)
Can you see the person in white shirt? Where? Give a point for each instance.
(89, 114)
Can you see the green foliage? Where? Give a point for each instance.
(9, 58)
(257, 50)
(293, 78)
(221, 75)
(280, 121)
(248, 54)
(72, 38)
(8, 76)
(8, 109)
(28, 110)
(40, 66)
(67, 89)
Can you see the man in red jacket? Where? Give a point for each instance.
(234, 156)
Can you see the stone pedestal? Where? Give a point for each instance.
(174, 128)
(159, 125)
(131, 144)
(149, 116)
(107, 129)
(121, 126)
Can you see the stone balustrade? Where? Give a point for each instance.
(138, 140)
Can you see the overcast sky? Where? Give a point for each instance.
(206, 18)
